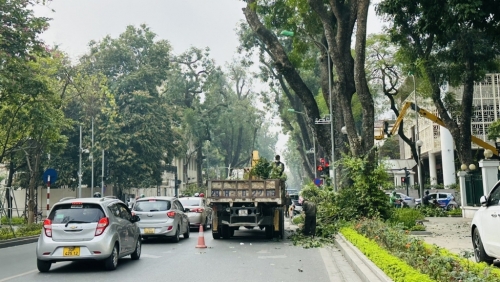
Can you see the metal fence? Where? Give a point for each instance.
(473, 189)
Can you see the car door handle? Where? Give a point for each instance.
(494, 215)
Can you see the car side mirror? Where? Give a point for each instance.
(135, 218)
(186, 210)
(483, 200)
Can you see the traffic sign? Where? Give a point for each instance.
(318, 181)
(53, 175)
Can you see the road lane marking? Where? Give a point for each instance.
(272, 257)
(147, 256)
(19, 275)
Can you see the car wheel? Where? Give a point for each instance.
(112, 261)
(186, 235)
(479, 253)
(137, 253)
(418, 206)
(43, 266)
(177, 234)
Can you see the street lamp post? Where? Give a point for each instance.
(332, 172)
(81, 150)
(314, 142)
(92, 160)
(418, 142)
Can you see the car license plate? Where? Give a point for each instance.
(149, 231)
(71, 251)
(242, 212)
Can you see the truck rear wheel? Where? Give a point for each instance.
(215, 235)
(226, 232)
(269, 231)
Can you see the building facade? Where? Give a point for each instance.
(437, 151)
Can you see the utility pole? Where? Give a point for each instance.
(92, 160)
(102, 175)
(80, 167)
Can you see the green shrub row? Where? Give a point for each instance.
(390, 264)
(13, 221)
(22, 231)
(437, 263)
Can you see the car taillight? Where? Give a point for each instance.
(171, 214)
(198, 210)
(101, 226)
(47, 227)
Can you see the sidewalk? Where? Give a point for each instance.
(451, 233)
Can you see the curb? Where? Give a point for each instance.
(363, 266)
(18, 241)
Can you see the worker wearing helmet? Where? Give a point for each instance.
(97, 195)
(196, 194)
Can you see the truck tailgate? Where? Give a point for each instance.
(269, 190)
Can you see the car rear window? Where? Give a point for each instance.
(190, 202)
(152, 205)
(76, 212)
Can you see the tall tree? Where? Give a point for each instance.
(138, 134)
(447, 41)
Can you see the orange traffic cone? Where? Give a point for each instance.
(201, 239)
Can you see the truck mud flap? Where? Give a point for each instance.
(215, 222)
(276, 221)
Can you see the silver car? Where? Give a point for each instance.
(162, 217)
(88, 229)
(199, 213)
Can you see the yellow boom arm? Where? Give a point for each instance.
(428, 115)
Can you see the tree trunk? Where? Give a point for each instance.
(338, 23)
(199, 163)
(34, 176)
(286, 68)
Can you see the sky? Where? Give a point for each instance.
(184, 23)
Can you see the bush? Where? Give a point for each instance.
(363, 198)
(298, 219)
(22, 231)
(390, 264)
(437, 263)
(407, 217)
(430, 211)
(13, 221)
(455, 212)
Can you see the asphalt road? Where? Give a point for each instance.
(246, 257)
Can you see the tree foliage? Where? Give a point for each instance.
(447, 42)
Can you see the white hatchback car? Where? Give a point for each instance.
(484, 227)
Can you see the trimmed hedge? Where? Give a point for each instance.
(391, 265)
(438, 263)
(22, 231)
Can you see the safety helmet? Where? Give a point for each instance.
(196, 194)
(97, 195)
(202, 195)
(142, 195)
(427, 192)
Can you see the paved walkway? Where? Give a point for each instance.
(452, 233)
